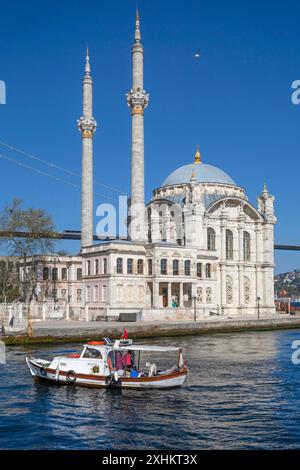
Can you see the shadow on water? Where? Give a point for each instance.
(242, 392)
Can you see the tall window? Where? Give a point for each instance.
(104, 265)
(88, 268)
(79, 274)
(130, 266)
(79, 295)
(96, 266)
(187, 268)
(208, 270)
(172, 225)
(229, 244)
(246, 246)
(199, 269)
(96, 294)
(104, 293)
(175, 267)
(208, 295)
(199, 294)
(163, 266)
(211, 239)
(140, 266)
(54, 294)
(54, 274)
(45, 274)
(88, 294)
(64, 274)
(150, 267)
(119, 266)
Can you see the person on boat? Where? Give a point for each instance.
(110, 361)
(125, 334)
(118, 360)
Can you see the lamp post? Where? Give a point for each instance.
(258, 310)
(195, 308)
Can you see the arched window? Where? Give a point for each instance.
(246, 246)
(208, 271)
(45, 274)
(96, 294)
(130, 266)
(104, 293)
(175, 267)
(54, 274)
(199, 269)
(150, 267)
(163, 266)
(187, 268)
(119, 266)
(88, 294)
(96, 266)
(104, 265)
(88, 268)
(79, 295)
(211, 239)
(229, 244)
(64, 274)
(140, 266)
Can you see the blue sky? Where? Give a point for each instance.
(235, 101)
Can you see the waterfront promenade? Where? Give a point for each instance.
(66, 331)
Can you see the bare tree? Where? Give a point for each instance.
(38, 229)
(9, 280)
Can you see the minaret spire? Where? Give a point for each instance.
(87, 126)
(137, 100)
(87, 68)
(137, 36)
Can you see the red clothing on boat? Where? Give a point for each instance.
(125, 334)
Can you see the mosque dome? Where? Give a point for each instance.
(200, 172)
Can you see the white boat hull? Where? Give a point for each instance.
(41, 371)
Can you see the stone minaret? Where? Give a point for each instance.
(87, 126)
(137, 100)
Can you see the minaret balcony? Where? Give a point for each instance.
(137, 100)
(87, 125)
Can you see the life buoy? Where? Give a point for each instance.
(96, 343)
(71, 376)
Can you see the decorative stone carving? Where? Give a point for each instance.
(246, 290)
(87, 126)
(137, 100)
(229, 290)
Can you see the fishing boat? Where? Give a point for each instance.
(110, 364)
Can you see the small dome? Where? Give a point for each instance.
(201, 172)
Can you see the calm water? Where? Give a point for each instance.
(243, 392)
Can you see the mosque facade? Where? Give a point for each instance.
(199, 245)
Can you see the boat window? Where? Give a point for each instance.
(91, 353)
